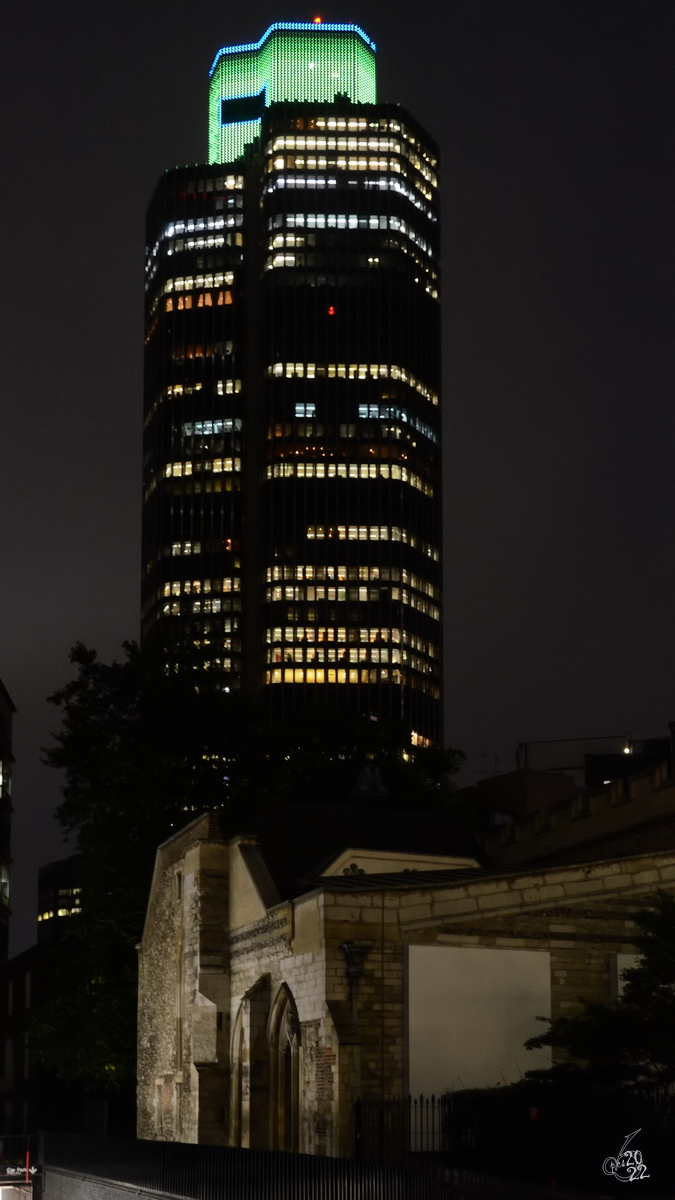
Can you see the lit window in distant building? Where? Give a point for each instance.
(357, 470)
(351, 371)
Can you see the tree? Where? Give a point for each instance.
(143, 750)
(631, 1042)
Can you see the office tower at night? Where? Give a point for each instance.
(292, 468)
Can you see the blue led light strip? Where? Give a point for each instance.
(295, 26)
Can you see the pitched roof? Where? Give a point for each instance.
(297, 840)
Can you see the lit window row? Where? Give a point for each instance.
(388, 412)
(200, 224)
(217, 465)
(372, 533)
(350, 145)
(313, 592)
(388, 183)
(320, 592)
(316, 633)
(209, 242)
(181, 389)
(392, 184)
(207, 606)
(59, 912)
(351, 574)
(186, 548)
(187, 587)
(298, 162)
(355, 654)
(223, 387)
(217, 350)
(312, 142)
(206, 300)
(334, 675)
(418, 739)
(352, 164)
(350, 123)
(313, 633)
(383, 125)
(351, 221)
(351, 371)
(207, 428)
(190, 283)
(212, 605)
(301, 181)
(213, 241)
(352, 654)
(331, 470)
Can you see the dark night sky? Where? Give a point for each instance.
(556, 120)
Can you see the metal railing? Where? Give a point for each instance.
(488, 1142)
(211, 1172)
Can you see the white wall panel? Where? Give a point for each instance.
(469, 1012)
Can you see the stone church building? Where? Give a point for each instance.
(338, 954)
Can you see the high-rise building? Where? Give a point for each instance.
(292, 471)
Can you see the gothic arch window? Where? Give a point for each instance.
(284, 1043)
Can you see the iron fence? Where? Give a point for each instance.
(535, 1134)
(211, 1172)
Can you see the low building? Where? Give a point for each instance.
(31, 1097)
(59, 897)
(535, 825)
(593, 761)
(270, 999)
(17, 1082)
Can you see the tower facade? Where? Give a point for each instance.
(292, 485)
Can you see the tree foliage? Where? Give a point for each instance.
(631, 1042)
(143, 750)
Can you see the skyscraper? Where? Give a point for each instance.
(292, 470)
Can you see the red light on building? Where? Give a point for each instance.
(317, 20)
(331, 311)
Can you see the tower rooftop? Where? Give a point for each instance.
(293, 61)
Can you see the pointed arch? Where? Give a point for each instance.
(250, 1069)
(284, 1072)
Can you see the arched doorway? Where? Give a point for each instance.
(250, 1069)
(284, 1044)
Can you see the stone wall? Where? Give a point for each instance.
(183, 1082)
(222, 973)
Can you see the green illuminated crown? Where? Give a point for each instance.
(290, 62)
